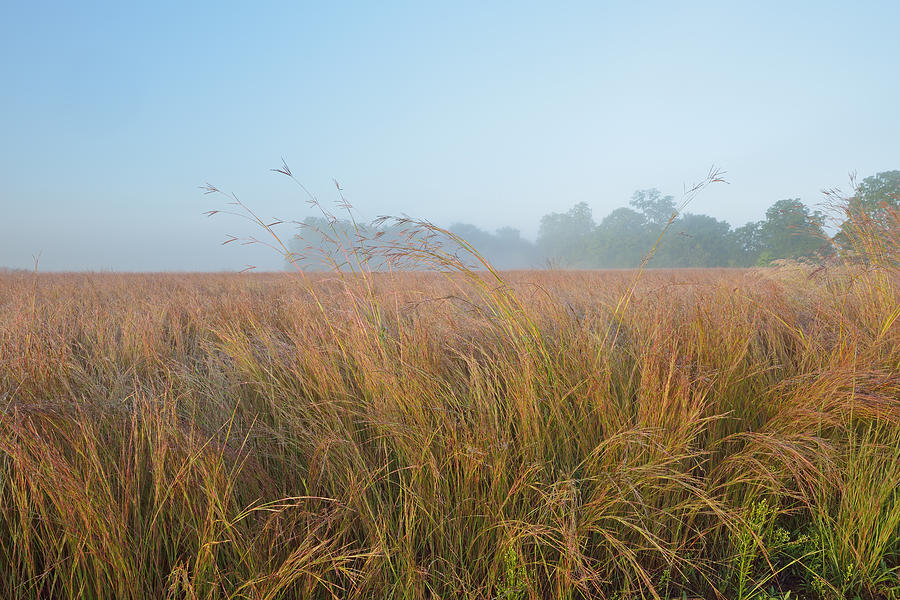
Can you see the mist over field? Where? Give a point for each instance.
(654, 230)
(473, 114)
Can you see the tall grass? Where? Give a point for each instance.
(452, 433)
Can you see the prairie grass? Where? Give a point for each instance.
(470, 434)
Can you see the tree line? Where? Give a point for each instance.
(623, 238)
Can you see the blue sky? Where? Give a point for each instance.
(112, 115)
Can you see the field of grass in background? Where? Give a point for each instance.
(721, 434)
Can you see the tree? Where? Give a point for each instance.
(791, 230)
(505, 249)
(697, 241)
(564, 237)
(621, 239)
(655, 207)
(877, 192)
(748, 242)
(872, 225)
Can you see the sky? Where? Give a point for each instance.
(112, 115)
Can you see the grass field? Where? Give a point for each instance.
(718, 434)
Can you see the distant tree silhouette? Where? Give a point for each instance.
(790, 230)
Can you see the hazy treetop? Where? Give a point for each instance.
(114, 113)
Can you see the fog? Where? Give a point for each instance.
(527, 132)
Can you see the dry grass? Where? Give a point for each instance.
(434, 436)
